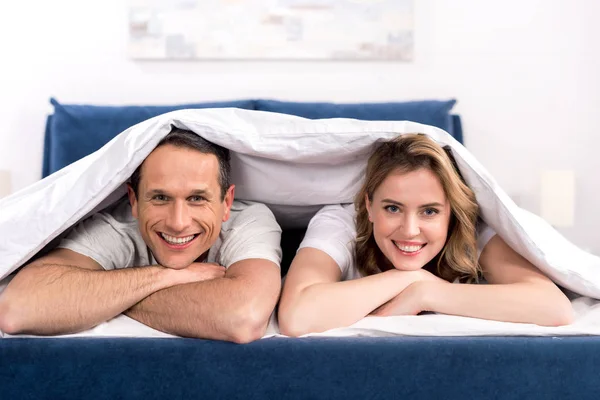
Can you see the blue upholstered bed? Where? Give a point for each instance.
(360, 368)
(308, 368)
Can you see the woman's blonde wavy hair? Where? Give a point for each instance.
(408, 153)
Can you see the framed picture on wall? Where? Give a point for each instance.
(271, 30)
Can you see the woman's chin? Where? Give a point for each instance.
(409, 267)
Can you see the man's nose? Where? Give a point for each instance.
(179, 217)
(409, 226)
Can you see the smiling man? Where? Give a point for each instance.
(179, 255)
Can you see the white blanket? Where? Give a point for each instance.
(294, 165)
(587, 322)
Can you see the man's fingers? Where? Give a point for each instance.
(212, 264)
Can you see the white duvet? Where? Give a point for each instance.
(294, 165)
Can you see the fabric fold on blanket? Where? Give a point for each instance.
(326, 159)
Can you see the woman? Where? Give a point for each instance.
(416, 232)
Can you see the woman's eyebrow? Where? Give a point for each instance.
(392, 202)
(434, 204)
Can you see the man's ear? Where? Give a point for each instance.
(368, 205)
(132, 200)
(228, 202)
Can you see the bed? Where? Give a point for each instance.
(312, 368)
(415, 367)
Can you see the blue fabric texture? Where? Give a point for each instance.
(413, 368)
(430, 112)
(457, 129)
(75, 131)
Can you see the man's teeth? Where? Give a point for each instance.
(176, 240)
(409, 249)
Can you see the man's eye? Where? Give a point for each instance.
(196, 199)
(160, 197)
(392, 209)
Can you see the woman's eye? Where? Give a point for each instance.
(392, 209)
(430, 212)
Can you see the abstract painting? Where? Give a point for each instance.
(271, 29)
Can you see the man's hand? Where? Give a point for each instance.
(198, 272)
(235, 307)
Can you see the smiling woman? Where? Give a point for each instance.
(414, 210)
(413, 231)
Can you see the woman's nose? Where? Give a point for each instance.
(409, 226)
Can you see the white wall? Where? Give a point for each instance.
(525, 73)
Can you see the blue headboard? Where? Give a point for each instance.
(75, 130)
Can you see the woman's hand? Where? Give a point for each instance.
(412, 300)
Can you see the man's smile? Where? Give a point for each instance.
(178, 243)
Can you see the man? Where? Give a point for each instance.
(178, 255)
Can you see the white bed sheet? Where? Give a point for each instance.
(587, 322)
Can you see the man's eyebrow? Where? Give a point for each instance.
(434, 204)
(195, 192)
(155, 192)
(200, 192)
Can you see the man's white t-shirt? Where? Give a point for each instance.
(333, 231)
(112, 237)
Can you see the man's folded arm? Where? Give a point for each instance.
(65, 292)
(235, 308)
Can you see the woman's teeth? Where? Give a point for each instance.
(409, 249)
